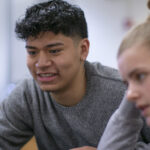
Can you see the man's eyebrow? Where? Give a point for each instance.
(53, 44)
(47, 46)
(30, 47)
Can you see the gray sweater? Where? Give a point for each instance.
(123, 129)
(29, 111)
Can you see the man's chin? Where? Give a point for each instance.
(47, 89)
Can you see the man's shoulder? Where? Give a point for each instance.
(26, 85)
(26, 82)
(96, 68)
(25, 89)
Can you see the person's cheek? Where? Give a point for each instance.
(146, 111)
(148, 121)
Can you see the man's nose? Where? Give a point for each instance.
(132, 92)
(43, 60)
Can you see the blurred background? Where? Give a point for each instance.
(108, 21)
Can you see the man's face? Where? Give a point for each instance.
(134, 67)
(56, 61)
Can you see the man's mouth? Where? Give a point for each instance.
(46, 77)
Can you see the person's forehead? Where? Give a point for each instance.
(134, 60)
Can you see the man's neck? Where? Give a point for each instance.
(73, 95)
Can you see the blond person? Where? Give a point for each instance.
(122, 131)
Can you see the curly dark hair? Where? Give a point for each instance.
(57, 16)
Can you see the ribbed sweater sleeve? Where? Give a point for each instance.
(123, 129)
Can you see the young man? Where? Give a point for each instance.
(69, 100)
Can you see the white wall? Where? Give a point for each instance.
(4, 70)
(106, 25)
(105, 20)
(105, 28)
(139, 10)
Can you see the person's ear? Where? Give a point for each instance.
(84, 49)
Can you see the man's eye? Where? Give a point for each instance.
(54, 51)
(31, 52)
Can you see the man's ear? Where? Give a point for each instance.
(84, 45)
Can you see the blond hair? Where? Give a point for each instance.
(139, 34)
